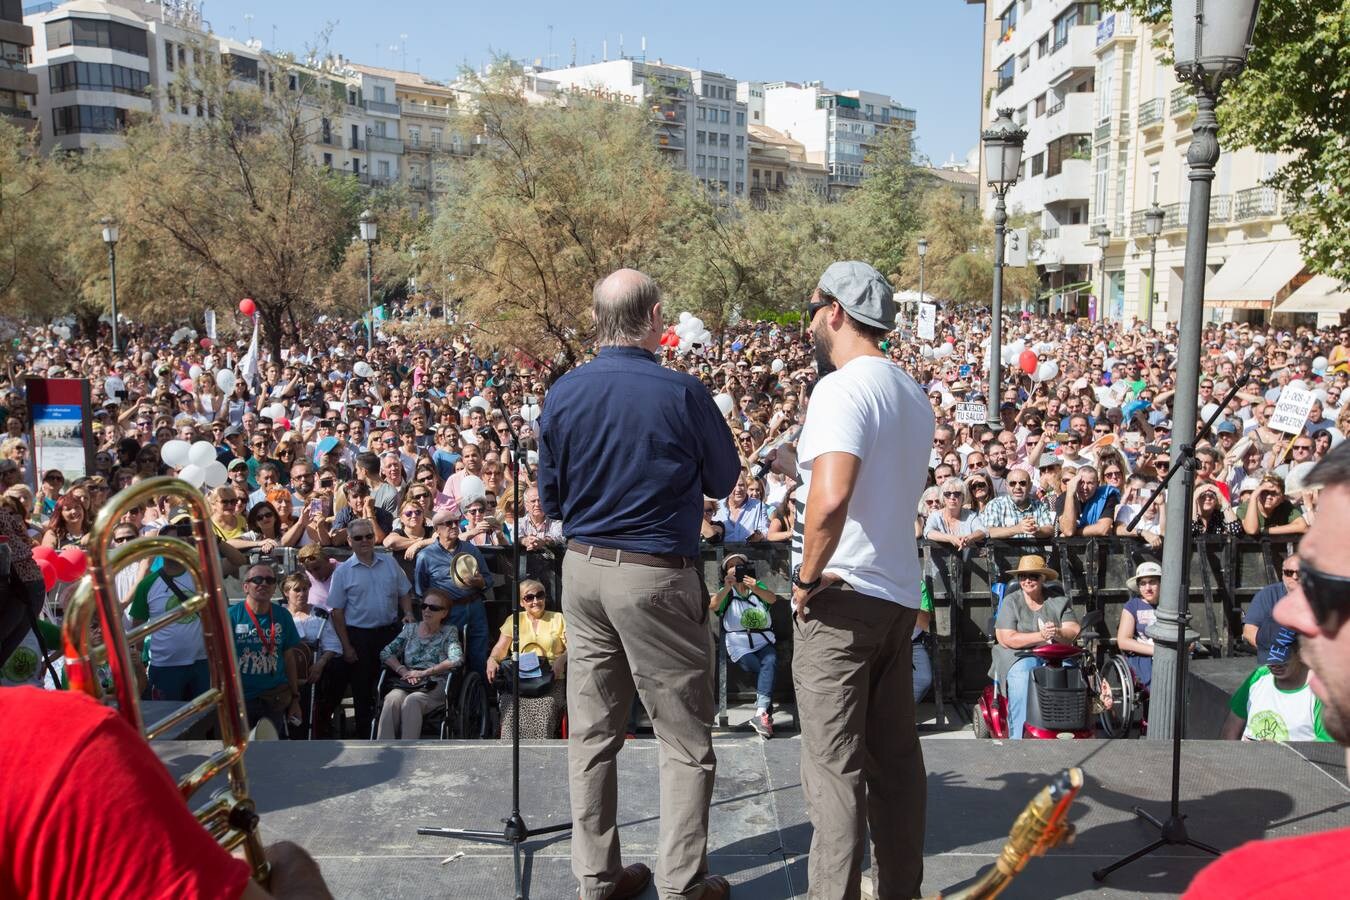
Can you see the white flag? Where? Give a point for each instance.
(248, 366)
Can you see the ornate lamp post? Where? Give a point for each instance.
(923, 251)
(1153, 222)
(1002, 159)
(1211, 41)
(1103, 235)
(110, 236)
(370, 233)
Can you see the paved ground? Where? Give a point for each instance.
(357, 805)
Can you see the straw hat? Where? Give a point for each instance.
(1034, 565)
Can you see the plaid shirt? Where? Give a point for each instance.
(1002, 512)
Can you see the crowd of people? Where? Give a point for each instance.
(408, 447)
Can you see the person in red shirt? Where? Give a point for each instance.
(88, 810)
(1318, 608)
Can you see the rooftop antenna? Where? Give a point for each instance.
(403, 40)
(549, 57)
(644, 48)
(574, 52)
(248, 22)
(604, 50)
(620, 45)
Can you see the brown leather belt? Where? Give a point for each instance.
(609, 554)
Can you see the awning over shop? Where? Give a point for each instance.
(1321, 294)
(1254, 276)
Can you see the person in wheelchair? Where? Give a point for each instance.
(422, 656)
(1140, 612)
(544, 633)
(1034, 612)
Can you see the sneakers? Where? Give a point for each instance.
(762, 724)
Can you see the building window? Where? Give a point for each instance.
(436, 138)
(1005, 74)
(168, 55)
(1038, 164)
(382, 169)
(72, 76)
(379, 94)
(724, 141)
(1069, 146)
(1043, 46)
(328, 160)
(700, 137)
(726, 116)
(97, 33)
(1024, 60)
(740, 142)
(740, 117)
(414, 135)
(703, 113)
(740, 187)
(88, 119)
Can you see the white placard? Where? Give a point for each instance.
(971, 414)
(211, 324)
(1292, 410)
(927, 324)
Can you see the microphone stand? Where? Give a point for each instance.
(1173, 831)
(515, 831)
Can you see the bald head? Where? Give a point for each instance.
(625, 313)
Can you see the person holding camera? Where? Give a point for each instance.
(481, 528)
(743, 606)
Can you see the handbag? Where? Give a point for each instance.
(277, 699)
(533, 686)
(425, 684)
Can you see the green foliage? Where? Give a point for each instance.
(1290, 100)
(885, 207)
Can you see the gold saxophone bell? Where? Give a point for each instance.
(230, 815)
(1040, 827)
(464, 567)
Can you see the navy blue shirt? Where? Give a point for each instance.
(1262, 608)
(435, 569)
(627, 451)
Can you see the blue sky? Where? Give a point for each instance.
(925, 53)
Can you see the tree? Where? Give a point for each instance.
(561, 197)
(1290, 100)
(886, 205)
(795, 238)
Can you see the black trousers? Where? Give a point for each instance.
(367, 642)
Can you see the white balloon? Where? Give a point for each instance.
(195, 372)
(202, 454)
(926, 351)
(685, 316)
(1319, 365)
(209, 363)
(471, 488)
(943, 351)
(1047, 370)
(214, 474)
(529, 413)
(480, 402)
(725, 403)
(225, 380)
(364, 370)
(776, 366)
(696, 323)
(192, 474)
(275, 411)
(175, 453)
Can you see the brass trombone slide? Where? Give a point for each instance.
(229, 815)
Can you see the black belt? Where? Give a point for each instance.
(609, 554)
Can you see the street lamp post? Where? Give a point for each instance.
(1211, 41)
(1153, 221)
(110, 238)
(1002, 158)
(370, 233)
(923, 251)
(1103, 235)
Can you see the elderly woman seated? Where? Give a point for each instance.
(543, 633)
(1035, 612)
(422, 656)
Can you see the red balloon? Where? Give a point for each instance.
(206, 343)
(42, 551)
(1029, 361)
(48, 572)
(76, 559)
(63, 568)
(247, 306)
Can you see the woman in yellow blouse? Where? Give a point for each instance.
(545, 633)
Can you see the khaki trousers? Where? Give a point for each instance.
(862, 766)
(633, 627)
(405, 710)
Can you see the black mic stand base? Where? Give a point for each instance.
(1173, 833)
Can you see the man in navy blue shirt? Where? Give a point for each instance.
(627, 452)
(1262, 608)
(435, 569)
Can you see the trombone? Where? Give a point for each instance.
(230, 815)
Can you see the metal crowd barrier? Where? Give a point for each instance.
(1226, 572)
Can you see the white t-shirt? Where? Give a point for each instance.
(872, 409)
(179, 644)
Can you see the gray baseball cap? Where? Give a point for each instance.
(862, 291)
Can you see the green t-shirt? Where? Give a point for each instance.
(1275, 714)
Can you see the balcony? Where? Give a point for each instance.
(1220, 208)
(427, 109)
(1055, 110)
(671, 115)
(355, 143)
(1073, 116)
(377, 144)
(379, 106)
(1183, 102)
(1257, 203)
(329, 140)
(1071, 54)
(1004, 82)
(1175, 216)
(670, 141)
(1072, 182)
(1151, 113)
(1071, 244)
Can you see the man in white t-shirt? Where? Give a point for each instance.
(863, 454)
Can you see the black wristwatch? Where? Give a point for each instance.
(804, 585)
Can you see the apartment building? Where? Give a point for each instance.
(777, 162)
(834, 127)
(1039, 61)
(696, 116)
(1141, 132)
(18, 86)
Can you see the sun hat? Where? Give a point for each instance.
(1033, 564)
(1145, 570)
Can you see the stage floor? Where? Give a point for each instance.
(356, 807)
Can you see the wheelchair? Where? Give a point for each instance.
(465, 713)
(1128, 712)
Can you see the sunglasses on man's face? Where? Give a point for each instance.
(263, 579)
(1328, 595)
(369, 536)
